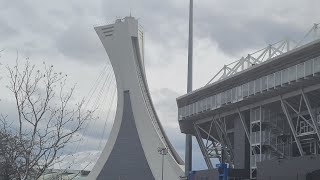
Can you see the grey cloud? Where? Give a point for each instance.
(81, 43)
(237, 26)
(233, 37)
(164, 94)
(165, 104)
(6, 31)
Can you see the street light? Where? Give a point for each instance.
(163, 152)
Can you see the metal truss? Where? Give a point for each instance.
(273, 142)
(212, 147)
(221, 129)
(303, 113)
(265, 54)
(207, 148)
(245, 128)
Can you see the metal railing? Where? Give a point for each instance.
(265, 54)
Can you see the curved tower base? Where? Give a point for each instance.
(131, 152)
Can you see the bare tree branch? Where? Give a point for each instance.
(47, 119)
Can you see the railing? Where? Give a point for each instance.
(270, 139)
(265, 54)
(305, 127)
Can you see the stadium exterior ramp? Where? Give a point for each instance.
(131, 152)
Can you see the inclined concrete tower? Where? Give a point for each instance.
(131, 152)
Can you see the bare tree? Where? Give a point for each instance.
(46, 121)
(7, 148)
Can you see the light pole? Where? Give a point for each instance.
(163, 152)
(188, 150)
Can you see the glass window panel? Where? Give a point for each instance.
(308, 68)
(223, 97)
(209, 103)
(200, 106)
(317, 65)
(192, 108)
(278, 78)
(219, 99)
(271, 81)
(214, 105)
(180, 113)
(239, 89)
(234, 94)
(251, 88)
(229, 96)
(285, 75)
(257, 85)
(204, 104)
(292, 73)
(300, 70)
(197, 107)
(183, 111)
(264, 83)
(245, 90)
(187, 110)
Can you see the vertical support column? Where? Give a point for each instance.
(313, 118)
(244, 126)
(260, 124)
(286, 112)
(251, 148)
(188, 150)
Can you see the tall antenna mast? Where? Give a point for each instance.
(188, 150)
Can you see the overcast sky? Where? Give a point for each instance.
(61, 33)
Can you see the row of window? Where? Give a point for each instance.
(236, 94)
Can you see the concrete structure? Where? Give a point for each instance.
(263, 107)
(299, 168)
(131, 152)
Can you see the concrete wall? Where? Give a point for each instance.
(288, 169)
(239, 145)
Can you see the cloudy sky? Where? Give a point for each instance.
(61, 33)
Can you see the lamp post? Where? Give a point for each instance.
(163, 152)
(188, 150)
